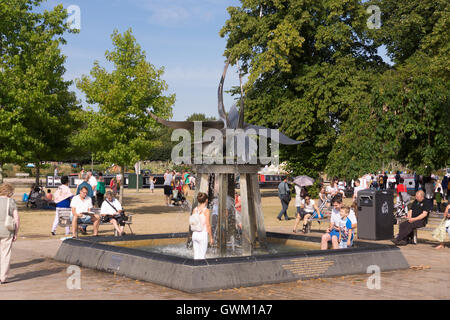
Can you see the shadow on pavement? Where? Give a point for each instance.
(35, 274)
(26, 263)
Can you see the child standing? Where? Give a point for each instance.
(152, 183)
(345, 229)
(49, 195)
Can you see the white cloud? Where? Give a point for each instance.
(176, 12)
(169, 16)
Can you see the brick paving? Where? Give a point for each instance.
(35, 275)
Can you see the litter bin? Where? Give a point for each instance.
(375, 214)
(132, 179)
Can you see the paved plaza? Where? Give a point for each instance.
(35, 275)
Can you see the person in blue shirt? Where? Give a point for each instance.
(345, 229)
(86, 184)
(445, 187)
(62, 198)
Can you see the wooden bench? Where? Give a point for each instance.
(22, 174)
(64, 220)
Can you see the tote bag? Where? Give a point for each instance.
(439, 233)
(9, 221)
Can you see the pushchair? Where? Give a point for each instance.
(178, 199)
(35, 197)
(401, 207)
(323, 206)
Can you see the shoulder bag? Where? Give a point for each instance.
(195, 222)
(118, 215)
(9, 221)
(440, 232)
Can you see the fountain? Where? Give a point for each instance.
(242, 257)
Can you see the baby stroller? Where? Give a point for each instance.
(178, 199)
(35, 197)
(324, 206)
(401, 207)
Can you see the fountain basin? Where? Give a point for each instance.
(123, 257)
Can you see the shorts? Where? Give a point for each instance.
(303, 213)
(85, 220)
(334, 233)
(167, 190)
(316, 215)
(343, 244)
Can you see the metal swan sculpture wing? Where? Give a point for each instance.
(234, 120)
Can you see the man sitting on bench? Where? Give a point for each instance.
(417, 218)
(81, 205)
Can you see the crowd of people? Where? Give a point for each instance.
(176, 186)
(90, 193)
(343, 219)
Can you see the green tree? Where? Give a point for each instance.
(412, 99)
(314, 73)
(199, 117)
(33, 92)
(310, 64)
(121, 131)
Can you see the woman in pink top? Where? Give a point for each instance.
(200, 238)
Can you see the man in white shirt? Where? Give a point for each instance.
(332, 233)
(80, 205)
(168, 177)
(332, 189)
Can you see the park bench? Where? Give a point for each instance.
(22, 174)
(64, 220)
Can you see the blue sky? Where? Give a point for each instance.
(181, 35)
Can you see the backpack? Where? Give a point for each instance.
(195, 222)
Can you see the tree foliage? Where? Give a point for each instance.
(121, 131)
(34, 96)
(315, 74)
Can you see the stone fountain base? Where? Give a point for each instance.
(117, 255)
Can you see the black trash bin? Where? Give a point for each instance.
(375, 214)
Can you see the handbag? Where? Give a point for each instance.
(9, 221)
(440, 232)
(286, 198)
(195, 222)
(118, 215)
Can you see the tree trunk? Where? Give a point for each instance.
(1, 172)
(38, 173)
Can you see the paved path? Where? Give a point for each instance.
(35, 275)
